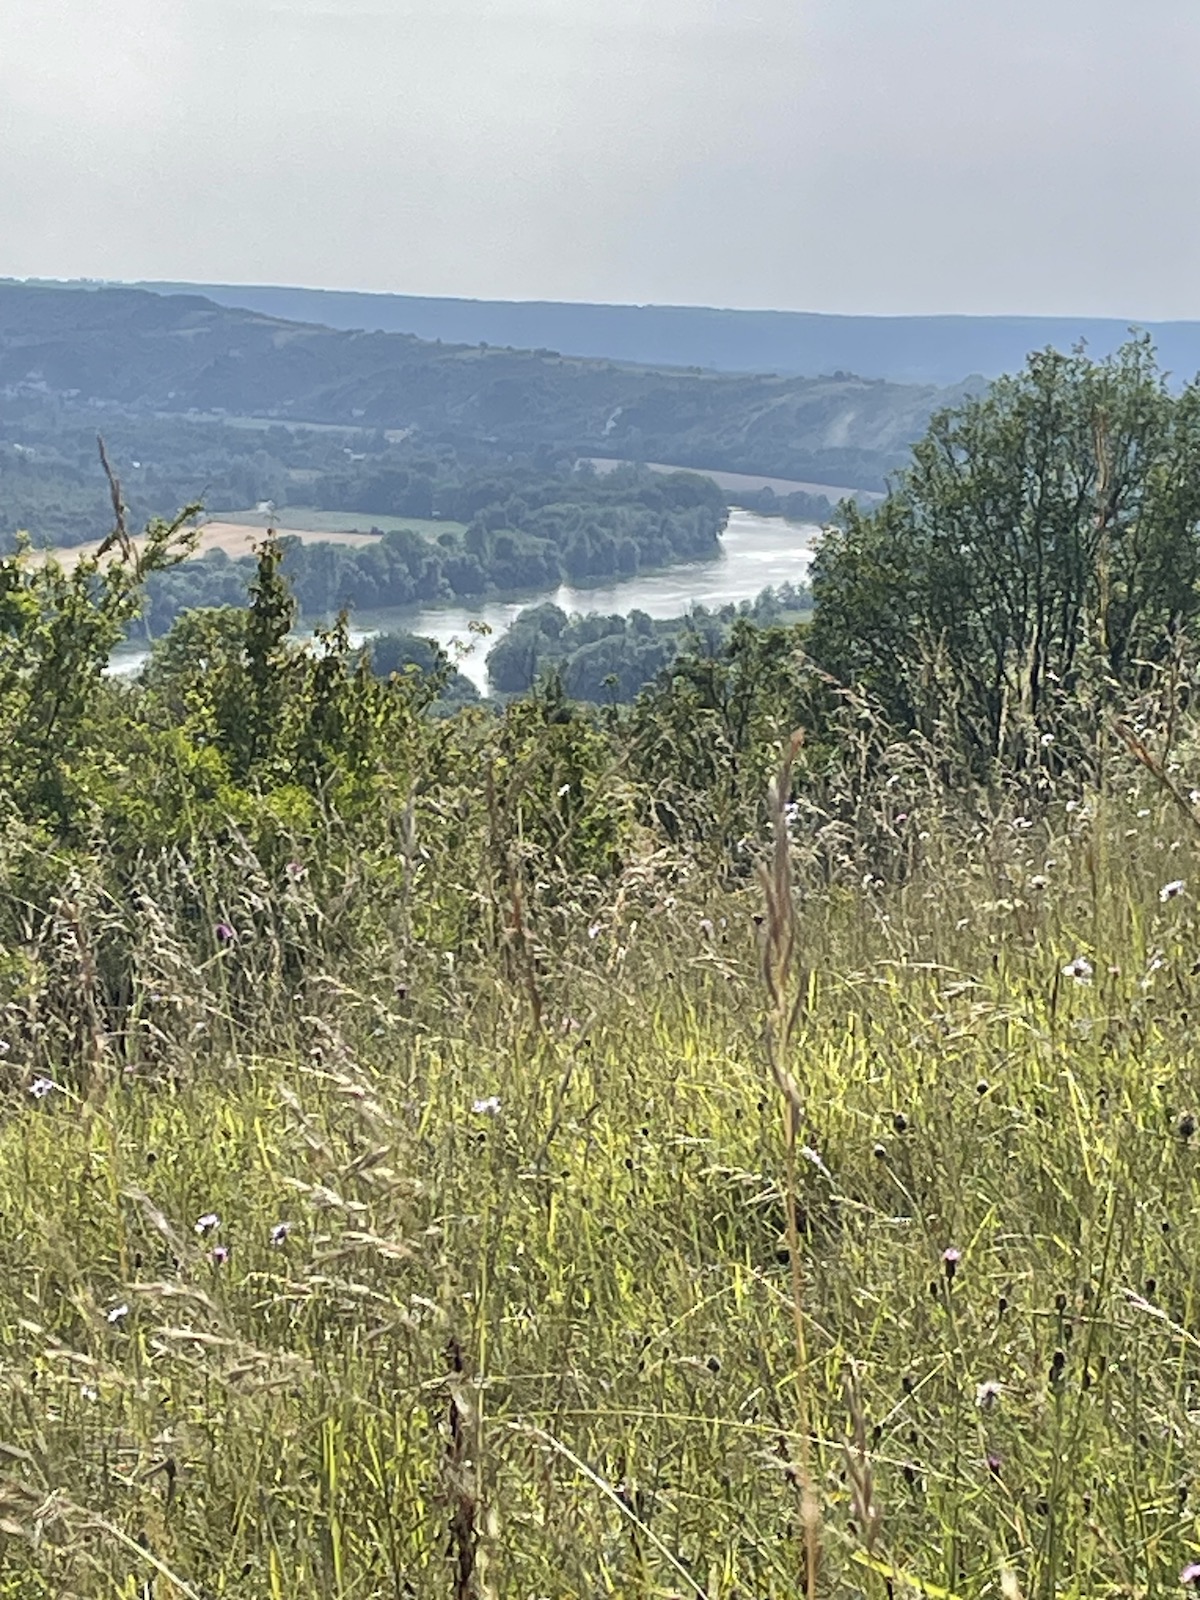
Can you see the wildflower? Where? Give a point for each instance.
(487, 1107)
(220, 1255)
(295, 870)
(224, 931)
(1170, 890)
(207, 1224)
(5, 1047)
(1046, 740)
(564, 789)
(1080, 970)
(994, 1463)
(1190, 1576)
(279, 1233)
(1039, 881)
(706, 927)
(809, 1154)
(880, 1152)
(986, 1394)
(950, 1260)
(117, 1314)
(41, 1087)
(86, 1392)
(594, 930)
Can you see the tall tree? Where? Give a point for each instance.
(1045, 535)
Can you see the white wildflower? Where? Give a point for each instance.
(1080, 970)
(1170, 890)
(487, 1107)
(207, 1224)
(117, 1314)
(280, 1232)
(41, 1087)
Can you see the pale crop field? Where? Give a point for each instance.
(237, 533)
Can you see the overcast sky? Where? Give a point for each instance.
(831, 155)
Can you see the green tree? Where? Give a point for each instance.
(270, 620)
(1044, 540)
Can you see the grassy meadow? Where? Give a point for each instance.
(305, 520)
(461, 1270)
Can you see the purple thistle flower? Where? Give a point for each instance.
(950, 1260)
(994, 1463)
(220, 1255)
(225, 932)
(1190, 1576)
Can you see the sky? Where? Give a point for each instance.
(866, 156)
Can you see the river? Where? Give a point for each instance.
(756, 553)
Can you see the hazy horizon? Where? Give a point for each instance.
(836, 156)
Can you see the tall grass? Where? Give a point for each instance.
(501, 1292)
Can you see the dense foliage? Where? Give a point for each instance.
(1044, 542)
(609, 660)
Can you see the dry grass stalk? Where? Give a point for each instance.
(787, 988)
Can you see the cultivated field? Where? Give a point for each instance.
(237, 532)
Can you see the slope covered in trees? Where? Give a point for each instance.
(149, 353)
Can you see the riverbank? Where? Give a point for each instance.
(756, 553)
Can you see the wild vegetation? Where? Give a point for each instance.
(640, 1151)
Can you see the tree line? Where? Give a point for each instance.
(519, 530)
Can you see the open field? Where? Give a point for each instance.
(311, 524)
(748, 480)
(237, 532)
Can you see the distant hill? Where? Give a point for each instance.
(935, 350)
(153, 352)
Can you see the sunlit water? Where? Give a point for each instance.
(756, 553)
